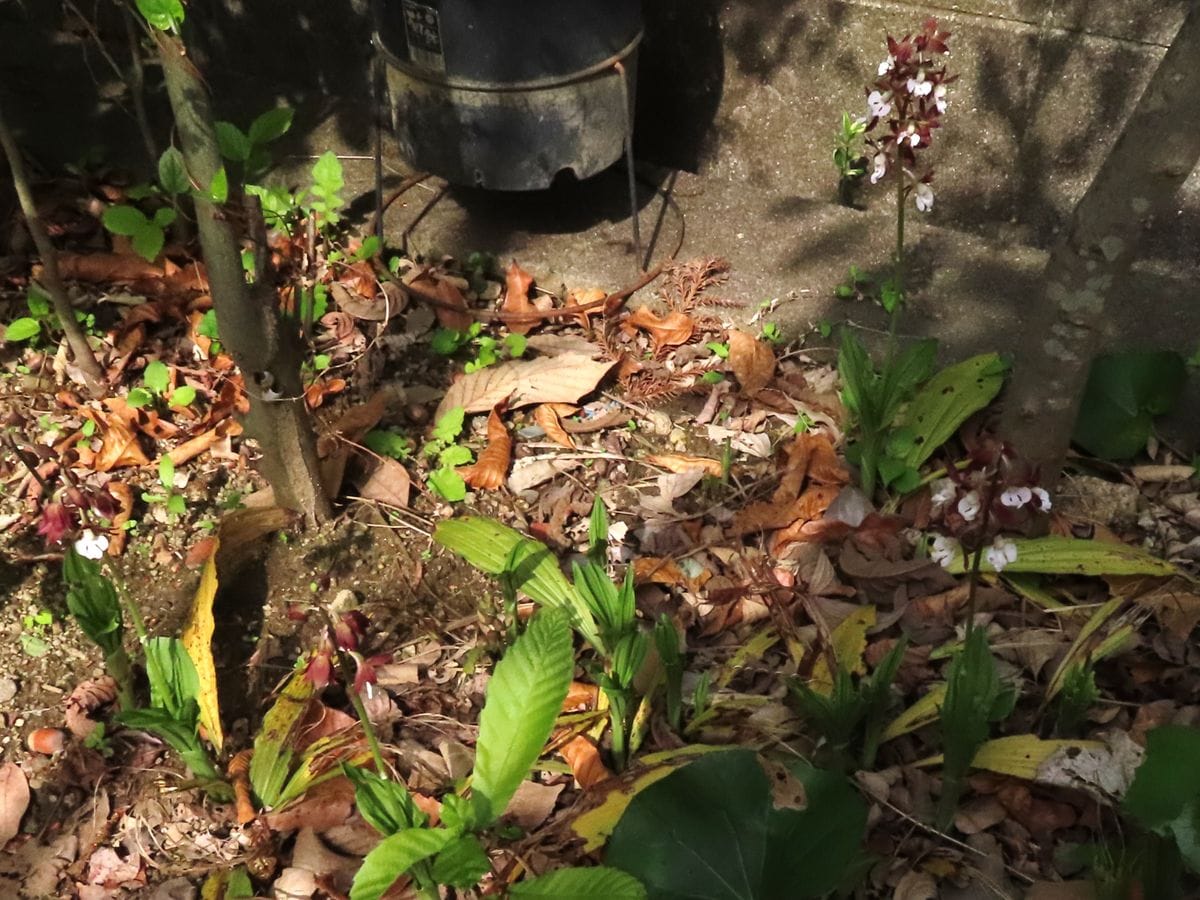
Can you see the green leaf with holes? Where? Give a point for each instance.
(947, 400)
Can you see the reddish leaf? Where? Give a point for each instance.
(584, 759)
(675, 329)
(752, 361)
(516, 297)
(448, 302)
(14, 800)
(88, 697)
(489, 471)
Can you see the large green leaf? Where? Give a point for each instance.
(172, 171)
(394, 856)
(174, 683)
(125, 220)
(949, 399)
(461, 864)
(233, 142)
(1074, 556)
(524, 697)
(716, 830)
(387, 805)
(590, 883)
(1124, 392)
(272, 124)
(1165, 794)
(488, 545)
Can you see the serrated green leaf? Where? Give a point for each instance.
(218, 188)
(157, 376)
(271, 125)
(394, 856)
(165, 15)
(166, 472)
(233, 142)
(524, 698)
(947, 400)
(22, 329)
(448, 485)
(583, 883)
(164, 216)
(489, 545)
(124, 220)
(327, 174)
(461, 864)
(450, 425)
(172, 172)
(148, 242)
(386, 805)
(1055, 555)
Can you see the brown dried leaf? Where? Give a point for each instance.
(516, 297)
(119, 447)
(490, 470)
(583, 757)
(446, 300)
(559, 379)
(14, 800)
(88, 697)
(675, 329)
(532, 804)
(679, 463)
(752, 361)
(123, 494)
(388, 482)
(768, 515)
(546, 417)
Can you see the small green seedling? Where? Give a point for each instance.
(175, 503)
(35, 628)
(443, 447)
(93, 604)
(772, 332)
(389, 442)
(156, 380)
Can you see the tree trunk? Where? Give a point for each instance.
(265, 348)
(1151, 159)
(77, 340)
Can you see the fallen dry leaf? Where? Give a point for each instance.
(764, 516)
(119, 447)
(388, 482)
(752, 361)
(88, 697)
(581, 696)
(516, 297)
(532, 803)
(193, 447)
(315, 393)
(584, 759)
(559, 379)
(547, 419)
(123, 494)
(448, 302)
(14, 800)
(678, 463)
(673, 330)
(239, 773)
(489, 471)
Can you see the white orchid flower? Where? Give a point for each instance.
(91, 545)
(1002, 553)
(924, 197)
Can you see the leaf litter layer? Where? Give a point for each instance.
(719, 458)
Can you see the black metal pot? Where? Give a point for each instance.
(506, 94)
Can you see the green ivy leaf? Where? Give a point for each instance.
(327, 175)
(124, 220)
(38, 302)
(232, 141)
(454, 455)
(157, 376)
(164, 216)
(22, 329)
(271, 125)
(388, 443)
(172, 172)
(139, 397)
(1124, 392)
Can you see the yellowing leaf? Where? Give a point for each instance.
(1072, 556)
(197, 641)
(1078, 654)
(1020, 755)
(849, 644)
(924, 712)
(274, 745)
(557, 379)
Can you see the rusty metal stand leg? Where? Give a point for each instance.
(633, 204)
